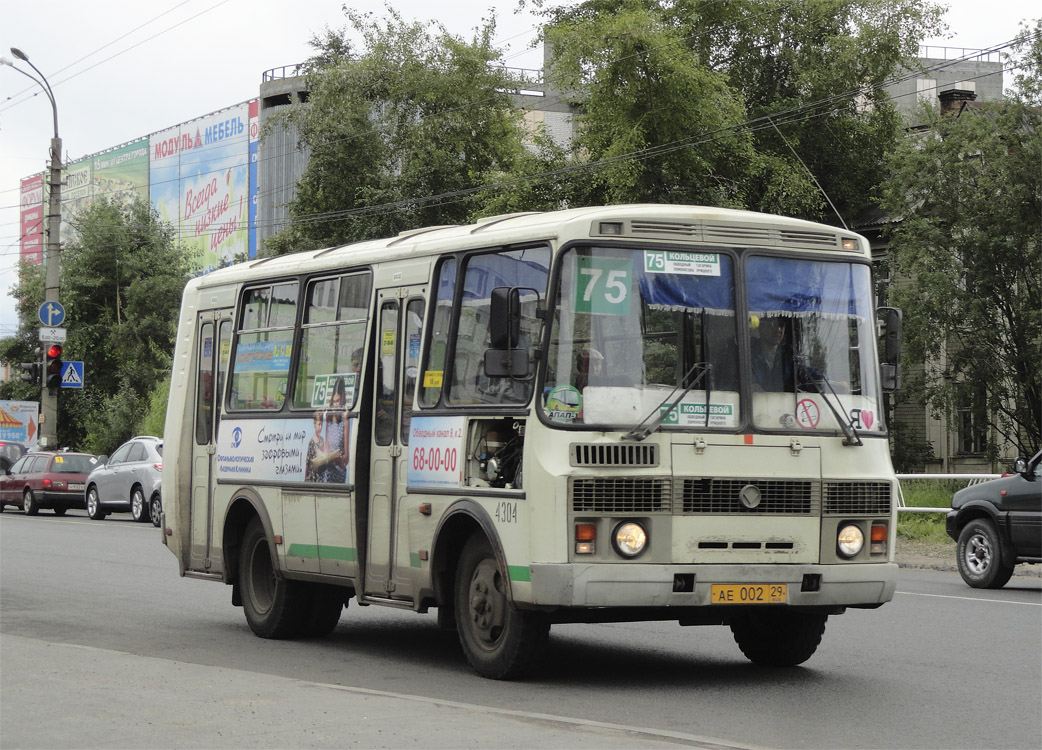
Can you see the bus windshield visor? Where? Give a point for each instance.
(632, 330)
(812, 346)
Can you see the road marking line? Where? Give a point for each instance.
(650, 733)
(970, 598)
(84, 521)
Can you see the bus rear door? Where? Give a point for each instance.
(214, 330)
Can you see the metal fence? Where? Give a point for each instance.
(970, 479)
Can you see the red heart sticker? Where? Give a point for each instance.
(867, 418)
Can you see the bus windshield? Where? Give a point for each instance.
(628, 329)
(812, 352)
(634, 329)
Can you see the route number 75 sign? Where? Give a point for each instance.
(603, 285)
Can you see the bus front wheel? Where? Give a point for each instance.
(500, 641)
(274, 606)
(778, 638)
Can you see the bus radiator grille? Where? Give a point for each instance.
(776, 496)
(857, 498)
(620, 495)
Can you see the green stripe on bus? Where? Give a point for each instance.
(519, 573)
(323, 551)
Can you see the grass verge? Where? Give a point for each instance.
(926, 493)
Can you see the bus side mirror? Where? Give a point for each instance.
(507, 363)
(505, 317)
(505, 359)
(890, 367)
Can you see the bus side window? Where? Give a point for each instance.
(385, 400)
(330, 346)
(263, 347)
(527, 269)
(413, 330)
(433, 372)
(204, 386)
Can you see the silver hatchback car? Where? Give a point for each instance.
(129, 480)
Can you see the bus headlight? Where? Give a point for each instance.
(629, 539)
(850, 540)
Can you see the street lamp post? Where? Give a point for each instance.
(48, 398)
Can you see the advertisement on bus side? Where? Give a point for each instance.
(287, 450)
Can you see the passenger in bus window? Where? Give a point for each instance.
(772, 357)
(775, 363)
(589, 362)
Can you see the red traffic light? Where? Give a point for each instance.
(54, 352)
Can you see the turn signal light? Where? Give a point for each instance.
(879, 534)
(585, 538)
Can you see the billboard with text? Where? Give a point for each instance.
(199, 177)
(31, 225)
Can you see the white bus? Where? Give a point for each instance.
(622, 413)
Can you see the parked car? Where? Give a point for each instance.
(46, 479)
(128, 480)
(998, 524)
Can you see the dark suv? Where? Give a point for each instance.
(998, 524)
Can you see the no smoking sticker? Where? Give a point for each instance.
(807, 414)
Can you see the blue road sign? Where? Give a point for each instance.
(52, 314)
(72, 374)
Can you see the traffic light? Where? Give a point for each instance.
(53, 367)
(32, 373)
(32, 369)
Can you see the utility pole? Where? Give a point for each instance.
(52, 249)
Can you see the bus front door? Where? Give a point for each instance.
(214, 340)
(389, 565)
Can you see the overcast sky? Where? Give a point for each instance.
(122, 69)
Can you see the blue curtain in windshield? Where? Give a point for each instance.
(687, 292)
(783, 286)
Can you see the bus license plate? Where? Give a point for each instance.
(749, 593)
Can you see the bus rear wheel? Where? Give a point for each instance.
(500, 641)
(275, 607)
(778, 638)
(324, 606)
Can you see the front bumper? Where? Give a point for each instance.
(592, 585)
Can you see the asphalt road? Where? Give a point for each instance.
(103, 645)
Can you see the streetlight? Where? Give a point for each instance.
(48, 397)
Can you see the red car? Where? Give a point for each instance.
(46, 479)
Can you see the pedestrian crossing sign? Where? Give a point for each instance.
(72, 375)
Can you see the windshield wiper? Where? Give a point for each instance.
(801, 366)
(851, 435)
(640, 431)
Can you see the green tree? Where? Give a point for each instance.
(121, 281)
(413, 113)
(639, 87)
(968, 191)
(734, 103)
(28, 292)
